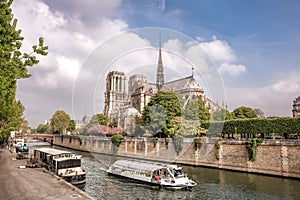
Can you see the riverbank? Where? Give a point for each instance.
(273, 157)
(32, 183)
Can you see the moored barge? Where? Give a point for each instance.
(65, 164)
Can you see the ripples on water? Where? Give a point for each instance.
(212, 184)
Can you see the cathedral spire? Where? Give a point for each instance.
(160, 68)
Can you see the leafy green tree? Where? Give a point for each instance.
(161, 109)
(42, 128)
(60, 121)
(196, 110)
(13, 66)
(72, 126)
(98, 119)
(222, 115)
(116, 141)
(24, 126)
(243, 112)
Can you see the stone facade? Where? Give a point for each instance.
(296, 107)
(140, 91)
(115, 94)
(273, 157)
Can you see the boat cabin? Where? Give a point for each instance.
(65, 164)
(150, 172)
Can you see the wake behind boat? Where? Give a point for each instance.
(163, 175)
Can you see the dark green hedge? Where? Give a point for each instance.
(255, 126)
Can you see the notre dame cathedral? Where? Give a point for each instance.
(124, 105)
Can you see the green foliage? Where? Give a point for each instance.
(138, 131)
(72, 125)
(116, 141)
(197, 143)
(196, 110)
(184, 127)
(256, 126)
(42, 128)
(98, 119)
(251, 146)
(222, 115)
(243, 112)
(218, 145)
(161, 109)
(60, 121)
(13, 66)
(178, 143)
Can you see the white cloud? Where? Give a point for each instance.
(219, 51)
(223, 56)
(287, 86)
(275, 99)
(231, 69)
(71, 32)
(68, 68)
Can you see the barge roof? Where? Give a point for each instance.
(52, 151)
(138, 166)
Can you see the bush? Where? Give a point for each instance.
(255, 126)
(251, 146)
(178, 143)
(197, 143)
(116, 140)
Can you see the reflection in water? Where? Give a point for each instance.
(212, 184)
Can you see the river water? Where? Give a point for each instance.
(212, 184)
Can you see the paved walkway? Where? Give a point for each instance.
(31, 183)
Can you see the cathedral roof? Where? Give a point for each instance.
(182, 84)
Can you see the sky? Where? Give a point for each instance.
(244, 52)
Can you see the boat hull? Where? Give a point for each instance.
(149, 183)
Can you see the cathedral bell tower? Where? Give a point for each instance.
(160, 69)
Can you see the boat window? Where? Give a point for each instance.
(68, 163)
(178, 172)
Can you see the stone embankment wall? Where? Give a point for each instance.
(273, 157)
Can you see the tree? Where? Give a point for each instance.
(116, 141)
(98, 119)
(196, 110)
(13, 66)
(161, 109)
(243, 112)
(24, 126)
(72, 126)
(222, 115)
(42, 128)
(60, 121)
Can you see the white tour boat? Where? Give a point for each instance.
(163, 175)
(65, 164)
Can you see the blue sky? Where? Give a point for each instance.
(263, 33)
(254, 45)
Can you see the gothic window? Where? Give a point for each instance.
(120, 85)
(117, 81)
